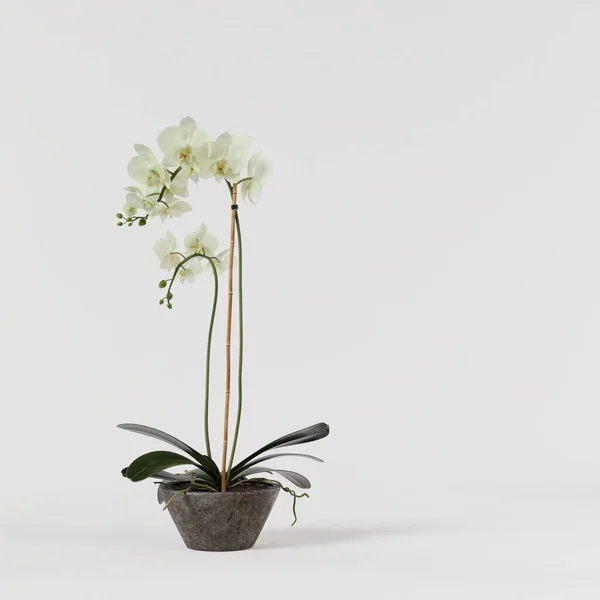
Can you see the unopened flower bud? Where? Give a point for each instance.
(120, 223)
(142, 222)
(169, 295)
(161, 301)
(119, 216)
(169, 305)
(162, 283)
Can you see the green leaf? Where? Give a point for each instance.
(149, 464)
(279, 454)
(296, 478)
(196, 473)
(206, 463)
(302, 436)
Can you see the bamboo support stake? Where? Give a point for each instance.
(228, 344)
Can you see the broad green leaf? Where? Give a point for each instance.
(296, 478)
(277, 455)
(148, 464)
(206, 463)
(302, 436)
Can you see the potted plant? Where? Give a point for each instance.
(216, 503)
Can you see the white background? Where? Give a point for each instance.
(421, 273)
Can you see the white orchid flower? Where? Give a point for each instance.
(146, 169)
(128, 210)
(260, 171)
(201, 242)
(178, 185)
(228, 156)
(185, 146)
(166, 250)
(222, 264)
(190, 270)
(171, 207)
(137, 199)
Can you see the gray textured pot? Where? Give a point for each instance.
(221, 522)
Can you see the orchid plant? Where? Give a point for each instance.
(160, 191)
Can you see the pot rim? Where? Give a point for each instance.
(269, 487)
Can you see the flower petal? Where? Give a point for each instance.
(199, 139)
(133, 200)
(254, 191)
(233, 176)
(252, 162)
(172, 240)
(167, 263)
(128, 210)
(189, 126)
(210, 243)
(146, 154)
(222, 145)
(170, 140)
(263, 171)
(137, 168)
(196, 265)
(162, 248)
(242, 142)
(178, 208)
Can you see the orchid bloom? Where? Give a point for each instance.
(201, 242)
(187, 147)
(222, 262)
(228, 156)
(166, 251)
(190, 269)
(178, 185)
(189, 153)
(137, 199)
(171, 207)
(128, 210)
(259, 171)
(146, 169)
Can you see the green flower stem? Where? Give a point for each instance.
(186, 259)
(211, 260)
(208, 347)
(164, 188)
(241, 344)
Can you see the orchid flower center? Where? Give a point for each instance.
(184, 153)
(153, 179)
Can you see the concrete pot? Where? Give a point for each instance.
(221, 521)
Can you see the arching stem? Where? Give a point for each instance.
(210, 260)
(208, 348)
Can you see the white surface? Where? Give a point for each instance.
(491, 546)
(421, 273)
